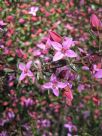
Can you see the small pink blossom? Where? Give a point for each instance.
(25, 70)
(26, 102)
(54, 84)
(63, 50)
(33, 10)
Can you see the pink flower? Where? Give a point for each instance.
(33, 10)
(25, 70)
(54, 84)
(43, 47)
(71, 127)
(95, 22)
(63, 50)
(27, 102)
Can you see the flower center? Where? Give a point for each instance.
(63, 50)
(25, 70)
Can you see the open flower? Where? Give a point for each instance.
(63, 50)
(54, 84)
(33, 10)
(27, 102)
(25, 70)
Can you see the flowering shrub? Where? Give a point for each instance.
(50, 68)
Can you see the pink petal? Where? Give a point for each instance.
(57, 46)
(61, 85)
(67, 43)
(56, 91)
(58, 56)
(28, 65)
(99, 74)
(22, 76)
(85, 68)
(53, 78)
(48, 43)
(21, 66)
(47, 85)
(29, 73)
(71, 54)
(41, 46)
(36, 52)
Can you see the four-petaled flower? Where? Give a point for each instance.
(25, 70)
(33, 10)
(54, 84)
(63, 50)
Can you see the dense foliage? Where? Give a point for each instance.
(50, 68)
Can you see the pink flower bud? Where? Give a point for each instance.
(95, 22)
(55, 37)
(21, 21)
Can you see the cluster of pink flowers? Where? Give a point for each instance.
(61, 47)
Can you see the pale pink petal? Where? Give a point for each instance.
(28, 65)
(69, 27)
(48, 43)
(69, 126)
(85, 68)
(22, 76)
(99, 74)
(57, 46)
(41, 46)
(58, 56)
(71, 54)
(95, 68)
(21, 66)
(36, 9)
(47, 85)
(56, 91)
(61, 85)
(67, 43)
(36, 52)
(53, 78)
(29, 73)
